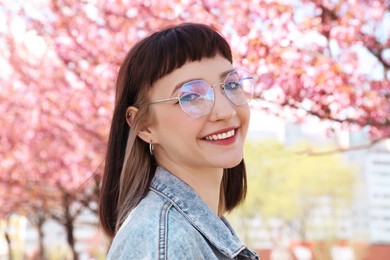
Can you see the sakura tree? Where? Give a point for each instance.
(59, 59)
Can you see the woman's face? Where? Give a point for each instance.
(197, 143)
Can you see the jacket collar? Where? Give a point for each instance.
(190, 205)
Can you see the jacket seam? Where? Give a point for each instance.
(163, 230)
(222, 249)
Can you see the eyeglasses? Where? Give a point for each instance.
(197, 97)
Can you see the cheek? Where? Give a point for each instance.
(171, 121)
(177, 124)
(171, 116)
(244, 113)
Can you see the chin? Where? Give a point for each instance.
(233, 162)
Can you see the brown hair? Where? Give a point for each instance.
(129, 168)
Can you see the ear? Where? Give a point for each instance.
(130, 114)
(144, 134)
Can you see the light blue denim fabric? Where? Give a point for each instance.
(173, 222)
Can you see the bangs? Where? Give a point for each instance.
(171, 48)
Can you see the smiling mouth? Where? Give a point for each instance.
(221, 136)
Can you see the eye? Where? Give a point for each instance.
(232, 86)
(190, 97)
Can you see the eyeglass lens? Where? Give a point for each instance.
(196, 98)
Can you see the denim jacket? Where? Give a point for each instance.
(173, 222)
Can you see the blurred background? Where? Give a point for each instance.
(318, 149)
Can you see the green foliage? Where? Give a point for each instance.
(59, 252)
(286, 184)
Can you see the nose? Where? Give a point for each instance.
(223, 109)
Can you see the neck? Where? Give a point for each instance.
(205, 182)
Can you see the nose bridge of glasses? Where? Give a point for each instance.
(221, 86)
(221, 100)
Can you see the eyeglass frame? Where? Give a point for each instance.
(221, 84)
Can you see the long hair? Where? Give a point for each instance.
(129, 168)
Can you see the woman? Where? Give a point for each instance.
(174, 162)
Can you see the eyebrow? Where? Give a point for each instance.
(179, 85)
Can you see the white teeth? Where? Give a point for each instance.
(221, 136)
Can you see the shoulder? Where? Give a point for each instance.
(137, 238)
(155, 227)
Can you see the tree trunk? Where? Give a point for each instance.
(70, 239)
(42, 253)
(69, 226)
(8, 239)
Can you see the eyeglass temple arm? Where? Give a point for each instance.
(163, 100)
